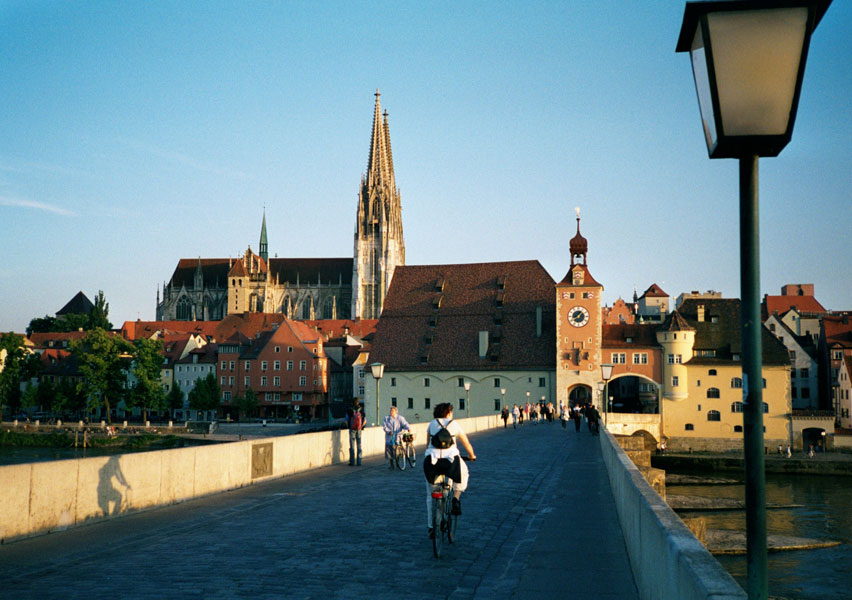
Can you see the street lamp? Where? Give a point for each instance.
(606, 375)
(467, 396)
(378, 370)
(503, 395)
(748, 61)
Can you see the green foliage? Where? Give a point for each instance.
(98, 317)
(247, 403)
(44, 324)
(147, 365)
(18, 366)
(103, 360)
(68, 397)
(206, 395)
(174, 399)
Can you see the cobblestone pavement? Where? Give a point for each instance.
(539, 522)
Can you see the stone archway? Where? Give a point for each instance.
(634, 393)
(579, 395)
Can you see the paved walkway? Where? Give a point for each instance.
(538, 522)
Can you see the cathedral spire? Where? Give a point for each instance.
(379, 245)
(264, 247)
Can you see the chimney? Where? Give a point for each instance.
(700, 313)
(483, 344)
(538, 321)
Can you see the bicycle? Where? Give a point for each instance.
(402, 451)
(444, 523)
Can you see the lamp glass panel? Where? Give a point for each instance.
(756, 56)
(702, 86)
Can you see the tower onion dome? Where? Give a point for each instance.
(578, 246)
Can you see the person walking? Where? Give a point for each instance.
(516, 415)
(592, 418)
(504, 414)
(393, 425)
(355, 422)
(576, 416)
(564, 415)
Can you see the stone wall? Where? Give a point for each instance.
(37, 498)
(695, 444)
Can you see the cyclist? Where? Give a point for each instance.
(446, 461)
(393, 425)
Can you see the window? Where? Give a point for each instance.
(361, 390)
(619, 358)
(698, 383)
(678, 359)
(640, 358)
(230, 381)
(247, 381)
(765, 407)
(772, 327)
(277, 349)
(806, 393)
(226, 396)
(427, 403)
(289, 365)
(224, 379)
(803, 373)
(542, 382)
(737, 382)
(297, 396)
(699, 408)
(224, 365)
(426, 382)
(276, 366)
(496, 382)
(736, 407)
(276, 381)
(711, 372)
(247, 365)
(360, 373)
(263, 381)
(497, 404)
(289, 348)
(738, 428)
(232, 365)
(263, 365)
(792, 355)
(713, 415)
(393, 381)
(269, 396)
(794, 392)
(675, 381)
(671, 359)
(303, 380)
(712, 392)
(393, 401)
(837, 354)
(302, 365)
(689, 427)
(411, 403)
(461, 403)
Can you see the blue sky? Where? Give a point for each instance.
(135, 134)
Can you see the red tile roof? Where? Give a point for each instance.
(641, 335)
(654, 291)
(433, 314)
(133, 330)
(781, 304)
(331, 328)
(587, 279)
(42, 340)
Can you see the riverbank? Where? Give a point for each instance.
(823, 463)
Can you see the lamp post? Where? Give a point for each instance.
(606, 375)
(503, 396)
(378, 370)
(467, 397)
(748, 61)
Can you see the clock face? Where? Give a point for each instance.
(578, 316)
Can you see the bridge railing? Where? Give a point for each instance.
(667, 560)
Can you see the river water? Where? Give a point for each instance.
(826, 514)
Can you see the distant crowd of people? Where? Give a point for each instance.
(541, 412)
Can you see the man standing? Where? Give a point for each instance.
(393, 425)
(355, 422)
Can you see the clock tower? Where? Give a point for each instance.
(578, 328)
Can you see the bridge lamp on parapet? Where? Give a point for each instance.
(748, 62)
(503, 395)
(606, 375)
(378, 370)
(467, 399)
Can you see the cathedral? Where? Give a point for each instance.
(209, 289)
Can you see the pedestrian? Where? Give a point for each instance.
(810, 450)
(780, 450)
(564, 415)
(505, 416)
(355, 421)
(789, 452)
(592, 418)
(575, 414)
(516, 415)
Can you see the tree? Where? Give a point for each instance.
(147, 365)
(206, 395)
(103, 360)
(174, 399)
(98, 317)
(247, 403)
(69, 398)
(44, 324)
(18, 365)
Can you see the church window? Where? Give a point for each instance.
(712, 392)
(714, 415)
(184, 309)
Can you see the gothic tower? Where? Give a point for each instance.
(578, 328)
(264, 245)
(379, 245)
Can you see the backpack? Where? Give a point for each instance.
(443, 439)
(356, 421)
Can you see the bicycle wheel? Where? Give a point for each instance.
(437, 522)
(410, 455)
(399, 457)
(452, 520)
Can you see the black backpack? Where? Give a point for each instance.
(443, 439)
